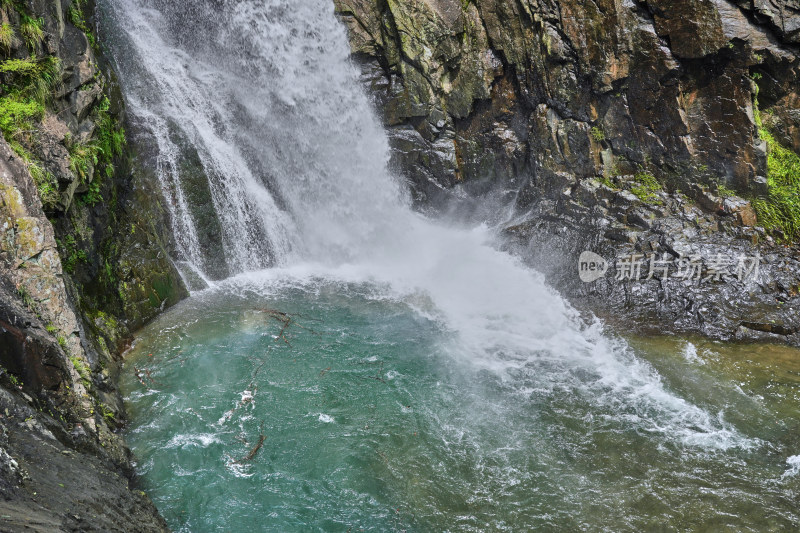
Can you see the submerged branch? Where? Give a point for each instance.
(378, 375)
(146, 373)
(287, 320)
(254, 451)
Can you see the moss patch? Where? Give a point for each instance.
(78, 19)
(71, 253)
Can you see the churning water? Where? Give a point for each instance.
(362, 366)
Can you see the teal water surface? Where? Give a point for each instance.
(373, 420)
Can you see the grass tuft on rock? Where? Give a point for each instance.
(17, 115)
(32, 31)
(7, 36)
(646, 187)
(27, 86)
(779, 211)
(724, 191)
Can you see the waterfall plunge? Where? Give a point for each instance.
(297, 173)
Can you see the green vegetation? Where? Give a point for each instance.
(17, 114)
(725, 192)
(70, 254)
(108, 322)
(646, 188)
(26, 298)
(98, 154)
(110, 136)
(31, 31)
(82, 160)
(779, 211)
(80, 367)
(608, 183)
(27, 86)
(598, 134)
(108, 415)
(45, 183)
(783, 165)
(108, 270)
(77, 18)
(7, 36)
(93, 195)
(18, 66)
(15, 381)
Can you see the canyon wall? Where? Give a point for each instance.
(84, 261)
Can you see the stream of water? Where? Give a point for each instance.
(361, 367)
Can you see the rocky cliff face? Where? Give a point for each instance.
(623, 127)
(84, 261)
(486, 90)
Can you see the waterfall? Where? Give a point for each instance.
(296, 171)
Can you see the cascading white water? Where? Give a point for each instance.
(168, 88)
(297, 169)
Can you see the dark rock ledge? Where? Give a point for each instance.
(696, 268)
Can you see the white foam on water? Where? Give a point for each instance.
(201, 439)
(691, 355)
(793, 470)
(239, 470)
